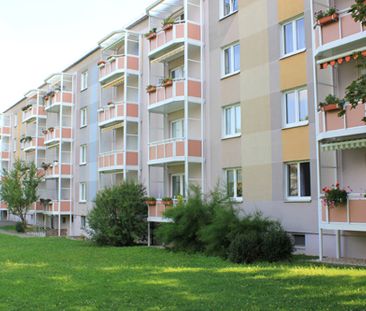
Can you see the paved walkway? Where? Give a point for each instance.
(4, 223)
(343, 261)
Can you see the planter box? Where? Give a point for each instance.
(168, 83)
(151, 90)
(331, 107)
(167, 27)
(151, 36)
(328, 19)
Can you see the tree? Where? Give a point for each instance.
(119, 216)
(18, 188)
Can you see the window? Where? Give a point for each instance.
(234, 183)
(83, 117)
(84, 81)
(299, 240)
(178, 185)
(82, 222)
(177, 128)
(293, 36)
(228, 7)
(296, 107)
(83, 152)
(232, 121)
(82, 192)
(298, 181)
(231, 59)
(177, 73)
(15, 120)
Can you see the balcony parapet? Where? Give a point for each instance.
(114, 160)
(115, 113)
(55, 135)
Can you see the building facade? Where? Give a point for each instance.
(219, 92)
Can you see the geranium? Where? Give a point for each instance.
(335, 196)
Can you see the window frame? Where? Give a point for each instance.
(82, 222)
(182, 181)
(171, 128)
(83, 112)
(83, 154)
(235, 170)
(297, 198)
(81, 192)
(84, 80)
(294, 37)
(297, 123)
(232, 11)
(224, 123)
(232, 70)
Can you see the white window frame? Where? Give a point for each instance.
(15, 120)
(297, 108)
(235, 171)
(297, 198)
(231, 12)
(294, 37)
(182, 180)
(14, 144)
(82, 222)
(84, 80)
(83, 154)
(232, 70)
(82, 192)
(233, 114)
(171, 127)
(181, 68)
(83, 117)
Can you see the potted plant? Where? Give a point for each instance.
(28, 139)
(335, 196)
(51, 129)
(111, 58)
(167, 201)
(167, 23)
(109, 103)
(151, 34)
(332, 103)
(326, 17)
(51, 93)
(45, 165)
(22, 139)
(45, 98)
(151, 89)
(151, 201)
(101, 63)
(167, 82)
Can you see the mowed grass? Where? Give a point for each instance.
(60, 274)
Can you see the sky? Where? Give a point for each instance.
(41, 37)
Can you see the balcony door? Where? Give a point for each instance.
(178, 185)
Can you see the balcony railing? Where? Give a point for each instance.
(174, 35)
(173, 149)
(158, 209)
(54, 135)
(175, 92)
(5, 131)
(55, 170)
(32, 144)
(344, 27)
(58, 98)
(3, 206)
(63, 206)
(32, 113)
(114, 68)
(114, 160)
(330, 123)
(5, 155)
(115, 113)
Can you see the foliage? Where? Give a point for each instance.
(19, 227)
(168, 21)
(119, 215)
(18, 188)
(335, 196)
(330, 100)
(358, 11)
(151, 32)
(320, 14)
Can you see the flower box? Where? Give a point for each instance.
(328, 19)
(151, 36)
(168, 83)
(167, 27)
(151, 89)
(330, 107)
(150, 203)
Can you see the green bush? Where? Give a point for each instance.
(119, 215)
(20, 227)
(277, 244)
(245, 248)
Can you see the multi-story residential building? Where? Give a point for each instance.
(218, 92)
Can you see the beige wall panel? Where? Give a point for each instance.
(231, 153)
(293, 71)
(257, 183)
(296, 144)
(230, 90)
(289, 8)
(256, 115)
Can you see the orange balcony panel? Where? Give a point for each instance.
(64, 206)
(160, 151)
(131, 158)
(5, 155)
(3, 205)
(66, 169)
(133, 63)
(115, 160)
(333, 121)
(132, 110)
(157, 210)
(194, 88)
(357, 212)
(195, 148)
(152, 153)
(194, 31)
(180, 149)
(118, 65)
(5, 130)
(169, 150)
(354, 116)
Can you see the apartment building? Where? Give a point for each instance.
(219, 92)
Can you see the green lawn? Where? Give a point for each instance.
(59, 274)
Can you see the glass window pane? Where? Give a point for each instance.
(228, 123)
(226, 7)
(237, 57)
(237, 120)
(177, 129)
(300, 34)
(292, 180)
(303, 105)
(230, 183)
(176, 185)
(290, 108)
(288, 38)
(305, 179)
(235, 5)
(228, 60)
(239, 184)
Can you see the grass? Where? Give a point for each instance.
(8, 228)
(60, 274)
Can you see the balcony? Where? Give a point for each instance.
(113, 161)
(173, 150)
(56, 207)
(3, 206)
(165, 41)
(5, 155)
(170, 98)
(332, 126)
(351, 216)
(54, 101)
(111, 72)
(156, 212)
(115, 113)
(54, 136)
(5, 131)
(31, 145)
(32, 113)
(339, 36)
(55, 171)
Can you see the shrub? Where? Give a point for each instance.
(119, 215)
(277, 244)
(245, 248)
(20, 227)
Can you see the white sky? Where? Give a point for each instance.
(40, 37)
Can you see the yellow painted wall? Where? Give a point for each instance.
(295, 144)
(293, 71)
(289, 8)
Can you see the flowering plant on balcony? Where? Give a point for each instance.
(335, 196)
(44, 131)
(151, 88)
(151, 201)
(168, 201)
(25, 108)
(168, 23)
(331, 103)
(101, 63)
(358, 11)
(45, 165)
(151, 34)
(356, 93)
(326, 17)
(167, 82)
(51, 129)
